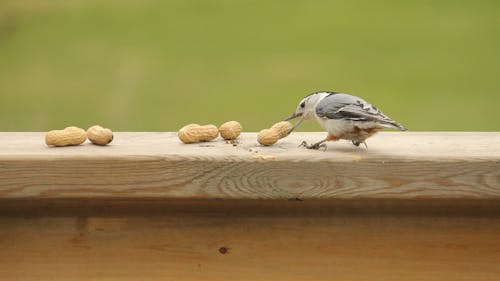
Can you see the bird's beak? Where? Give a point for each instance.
(296, 124)
(293, 116)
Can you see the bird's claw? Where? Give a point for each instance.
(357, 143)
(315, 146)
(303, 144)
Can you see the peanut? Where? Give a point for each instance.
(68, 136)
(195, 133)
(283, 128)
(230, 130)
(272, 135)
(268, 137)
(99, 135)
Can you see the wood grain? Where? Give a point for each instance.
(250, 240)
(157, 165)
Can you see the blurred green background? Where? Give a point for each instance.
(157, 65)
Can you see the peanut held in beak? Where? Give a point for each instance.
(283, 128)
(268, 137)
(272, 135)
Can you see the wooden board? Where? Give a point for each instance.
(256, 240)
(414, 206)
(157, 165)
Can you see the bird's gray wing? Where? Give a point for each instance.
(348, 107)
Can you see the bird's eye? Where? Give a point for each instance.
(303, 104)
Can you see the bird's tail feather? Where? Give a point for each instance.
(394, 125)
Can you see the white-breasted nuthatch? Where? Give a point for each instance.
(343, 116)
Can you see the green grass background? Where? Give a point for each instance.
(157, 65)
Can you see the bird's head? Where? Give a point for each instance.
(306, 108)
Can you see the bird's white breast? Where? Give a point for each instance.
(343, 128)
(336, 127)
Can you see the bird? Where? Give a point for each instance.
(343, 116)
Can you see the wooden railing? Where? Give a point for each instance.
(413, 206)
(145, 165)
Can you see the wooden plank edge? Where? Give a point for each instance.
(154, 207)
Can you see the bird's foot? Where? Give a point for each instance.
(357, 143)
(315, 146)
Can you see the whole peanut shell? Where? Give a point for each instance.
(195, 133)
(99, 135)
(282, 128)
(68, 136)
(268, 137)
(230, 130)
